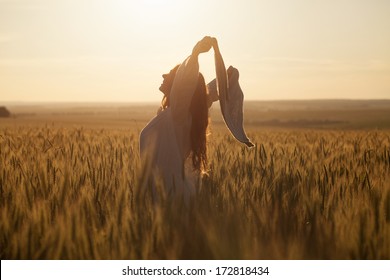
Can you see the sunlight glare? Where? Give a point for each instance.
(150, 13)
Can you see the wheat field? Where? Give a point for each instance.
(75, 192)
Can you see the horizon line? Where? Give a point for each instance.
(153, 102)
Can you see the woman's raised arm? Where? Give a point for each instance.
(186, 79)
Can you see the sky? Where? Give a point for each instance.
(116, 50)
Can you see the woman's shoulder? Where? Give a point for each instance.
(159, 122)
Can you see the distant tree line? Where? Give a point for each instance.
(4, 113)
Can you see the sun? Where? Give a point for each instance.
(146, 13)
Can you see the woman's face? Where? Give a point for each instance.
(168, 81)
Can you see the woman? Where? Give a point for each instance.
(178, 132)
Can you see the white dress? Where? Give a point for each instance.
(165, 141)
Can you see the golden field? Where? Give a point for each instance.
(316, 186)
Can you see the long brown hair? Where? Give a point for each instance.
(199, 123)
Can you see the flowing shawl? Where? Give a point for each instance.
(231, 99)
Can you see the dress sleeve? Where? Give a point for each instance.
(183, 88)
(232, 109)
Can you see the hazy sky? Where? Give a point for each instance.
(116, 50)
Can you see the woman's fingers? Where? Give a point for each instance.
(204, 45)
